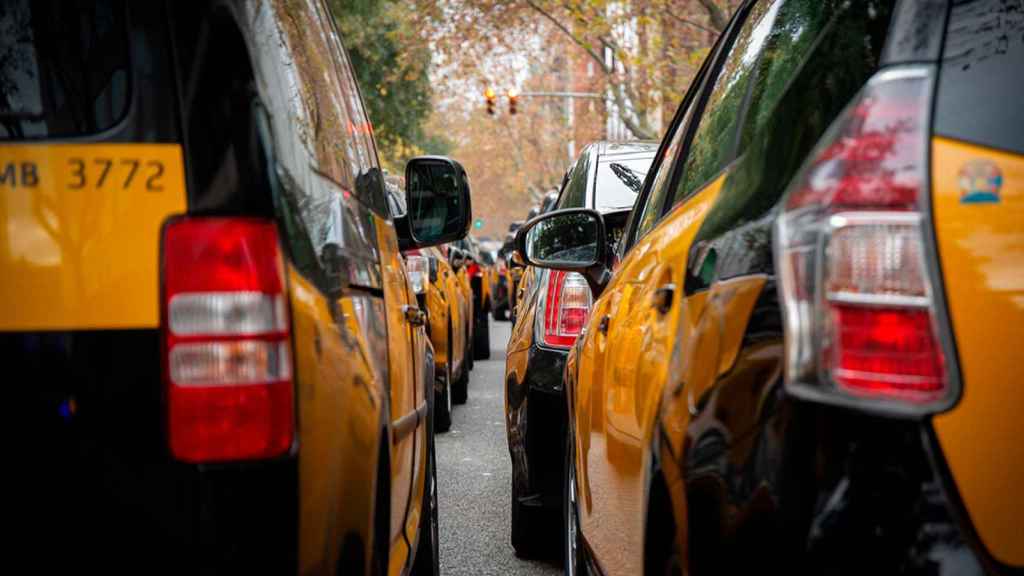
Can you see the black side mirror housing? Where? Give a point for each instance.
(438, 204)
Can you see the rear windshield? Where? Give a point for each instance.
(619, 182)
(981, 89)
(63, 67)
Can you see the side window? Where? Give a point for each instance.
(362, 151)
(713, 144)
(651, 211)
(575, 193)
(789, 43)
(324, 129)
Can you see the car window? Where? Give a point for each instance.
(618, 182)
(713, 144)
(803, 95)
(791, 38)
(655, 200)
(575, 193)
(63, 68)
(980, 90)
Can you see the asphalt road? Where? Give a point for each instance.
(474, 478)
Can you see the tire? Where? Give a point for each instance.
(573, 551)
(428, 548)
(460, 388)
(482, 338)
(443, 401)
(500, 314)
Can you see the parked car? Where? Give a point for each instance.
(459, 260)
(215, 362)
(479, 274)
(509, 275)
(554, 306)
(806, 360)
(440, 296)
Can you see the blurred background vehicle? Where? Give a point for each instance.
(554, 308)
(440, 295)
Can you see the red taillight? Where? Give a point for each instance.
(473, 270)
(567, 307)
(861, 327)
(226, 341)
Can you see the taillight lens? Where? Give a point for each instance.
(418, 268)
(861, 327)
(567, 308)
(226, 339)
(473, 270)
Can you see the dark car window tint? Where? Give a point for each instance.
(980, 95)
(575, 193)
(797, 26)
(63, 67)
(618, 182)
(844, 46)
(713, 143)
(651, 210)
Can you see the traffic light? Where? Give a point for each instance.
(513, 98)
(490, 97)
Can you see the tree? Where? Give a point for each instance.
(647, 50)
(393, 72)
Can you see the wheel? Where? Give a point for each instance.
(429, 546)
(481, 338)
(470, 347)
(572, 541)
(500, 314)
(443, 401)
(460, 388)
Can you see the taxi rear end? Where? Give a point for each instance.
(901, 258)
(92, 165)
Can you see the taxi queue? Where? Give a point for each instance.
(800, 351)
(793, 350)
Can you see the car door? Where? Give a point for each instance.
(610, 405)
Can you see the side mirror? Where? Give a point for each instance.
(438, 207)
(456, 257)
(571, 240)
(517, 259)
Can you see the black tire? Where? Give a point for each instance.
(573, 550)
(500, 314)
(443, 401)
(460, 388)
(428, 548)
(523, 531)
(482, 337)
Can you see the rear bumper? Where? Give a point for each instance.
(536, 425)
(96, 486)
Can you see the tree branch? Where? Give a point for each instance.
(717, 15)
(579, 41)
(691, 23)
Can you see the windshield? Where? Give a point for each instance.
(619, 182)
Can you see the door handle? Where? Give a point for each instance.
(414, 315)
(602, 326)
(662, 298)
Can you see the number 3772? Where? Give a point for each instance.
(115, 172)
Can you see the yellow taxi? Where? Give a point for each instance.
(803, 356)
(215, 361)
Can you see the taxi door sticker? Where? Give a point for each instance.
(80, 233)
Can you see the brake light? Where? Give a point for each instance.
(226, 341)
(473, 270)
(567, 307)
(861, 327)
